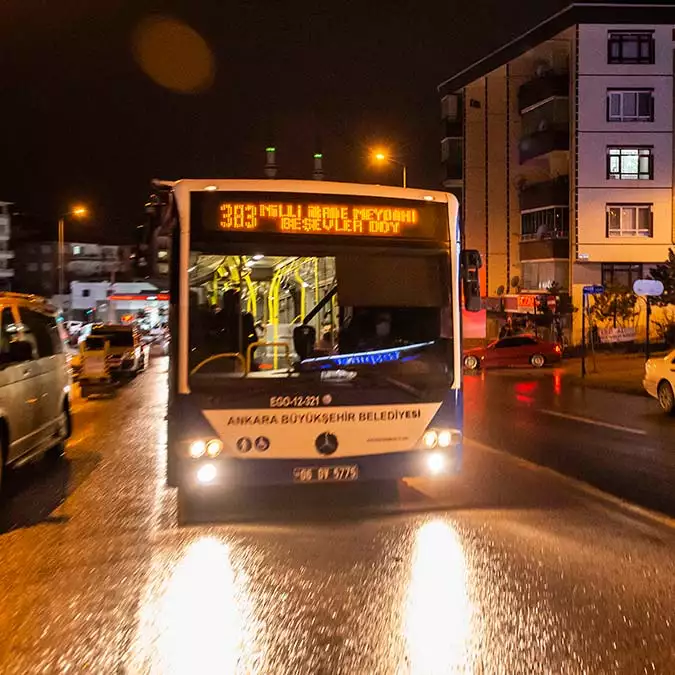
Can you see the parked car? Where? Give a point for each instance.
(127, 355)
(659, 381)
(518, 350)
(35, 413)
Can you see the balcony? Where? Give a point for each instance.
(452, 128)
(543, 88)
(542, 142)
(451, 159)
(550, 193)
(545, 248)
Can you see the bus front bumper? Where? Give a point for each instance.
(226, 472)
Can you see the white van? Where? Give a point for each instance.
(34, 381)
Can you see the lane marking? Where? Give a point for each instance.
(581, 486)
(599, 423)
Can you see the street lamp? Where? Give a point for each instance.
(380, 157)
(78, 211)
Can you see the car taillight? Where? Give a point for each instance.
(558, 349)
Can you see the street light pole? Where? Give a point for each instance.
(381, 156)
(77, 212)
(60, 258)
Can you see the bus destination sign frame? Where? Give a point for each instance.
(355, 217)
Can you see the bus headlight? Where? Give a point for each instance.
(444, 438)
(197, 449)
(206, 474)
(436, 463)
(430, 439)
(214, 447)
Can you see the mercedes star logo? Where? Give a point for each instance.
(326, 443)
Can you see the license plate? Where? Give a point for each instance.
(337, 473)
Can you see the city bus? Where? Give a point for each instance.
(315, 332)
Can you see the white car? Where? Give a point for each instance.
(659, 381)
(35, 413)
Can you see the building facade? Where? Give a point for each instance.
(6, 253)
(560, 148)
(37, 264)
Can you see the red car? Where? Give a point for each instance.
(519, 350)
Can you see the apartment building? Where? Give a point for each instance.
(6, 253)
(560, 148)
(37, 264)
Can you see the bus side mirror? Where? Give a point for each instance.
(470, 263)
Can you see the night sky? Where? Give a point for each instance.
(81, 120)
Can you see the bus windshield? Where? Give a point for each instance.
(270, 317)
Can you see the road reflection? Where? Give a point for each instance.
(198, 618)
(439, 613)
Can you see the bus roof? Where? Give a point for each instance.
(187, 185)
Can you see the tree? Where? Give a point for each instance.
(616, 304)
(665, 273)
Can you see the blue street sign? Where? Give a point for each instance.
(594, 290)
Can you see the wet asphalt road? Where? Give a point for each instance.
(620, 443)
(506, 569)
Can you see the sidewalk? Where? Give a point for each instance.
(614, 372)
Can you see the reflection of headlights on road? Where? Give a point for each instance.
(214, 447)
(436, 463)
(430, 439)
(206, 474)
(197, 449)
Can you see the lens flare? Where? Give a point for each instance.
(173, 55)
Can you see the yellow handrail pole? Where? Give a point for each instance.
(316, 288)
(303, 295)
(252, 305)
(275, 325)
(224, 355)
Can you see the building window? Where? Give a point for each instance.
(541, 275)
(46, 267)
(551, 223)
(630, 163)
(32, 267)
(46, 249)
(614, 274)
(630, 105)
(630, 47)
(86, 292)
(77, 250)
(629, 220)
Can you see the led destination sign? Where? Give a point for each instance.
(283, 213)
(318, 218)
